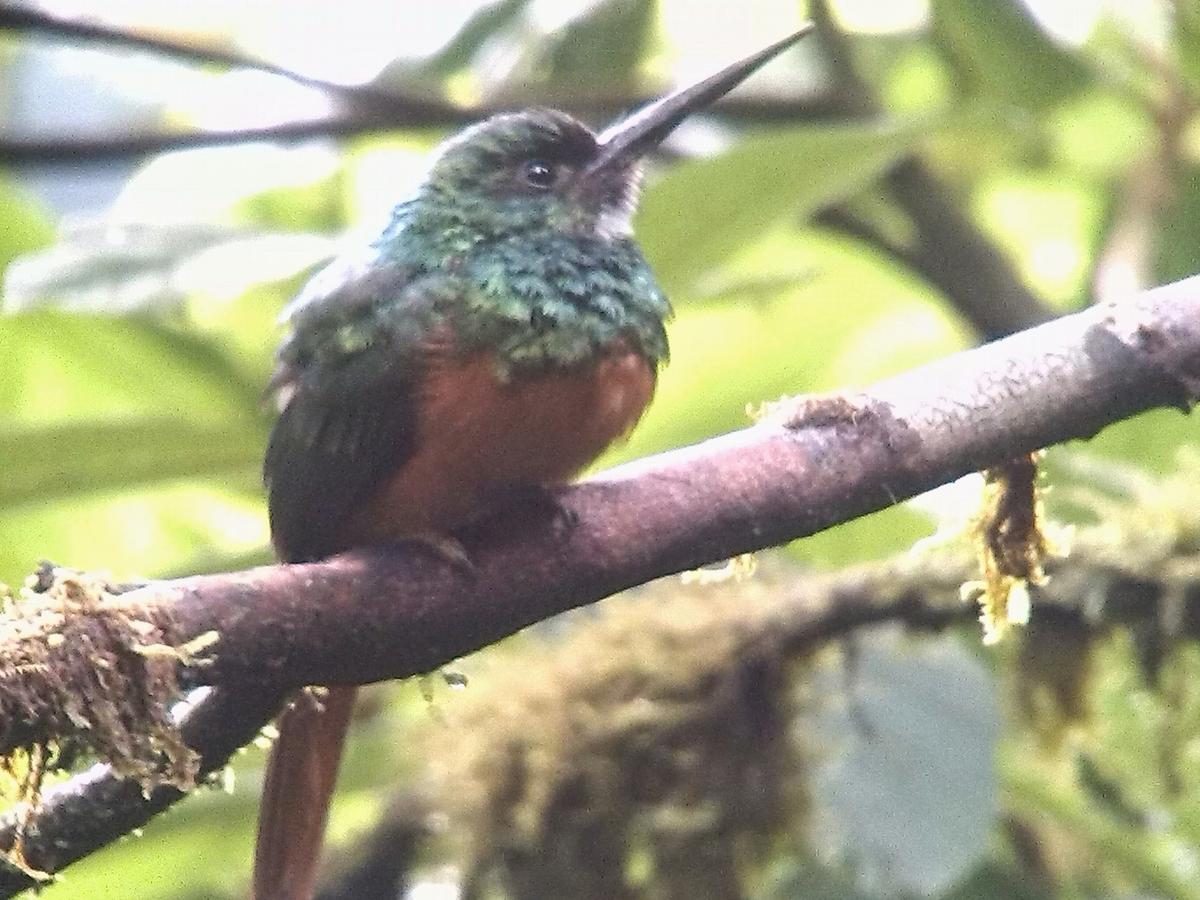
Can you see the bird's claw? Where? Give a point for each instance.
(446, 548)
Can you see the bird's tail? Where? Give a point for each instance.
(299, 784)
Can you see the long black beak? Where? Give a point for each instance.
(632, 137)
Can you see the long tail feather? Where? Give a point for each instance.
(299, 784)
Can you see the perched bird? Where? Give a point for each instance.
(501, 332)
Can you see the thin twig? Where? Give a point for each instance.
(358, 108)
(353, 96)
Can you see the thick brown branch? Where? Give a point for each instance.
(813, 463)
(384, 614)
(393, 612)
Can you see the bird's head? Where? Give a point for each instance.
(540, 170)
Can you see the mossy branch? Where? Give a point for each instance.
(809, 464)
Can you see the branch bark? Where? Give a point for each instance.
(810, 464)
(377, 614)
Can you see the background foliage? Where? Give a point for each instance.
(142, 290)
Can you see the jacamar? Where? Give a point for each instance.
(500, 333)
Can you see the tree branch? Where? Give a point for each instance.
(810, 464)
(372, 615)
(96, 807)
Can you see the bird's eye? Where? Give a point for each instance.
(539, 174)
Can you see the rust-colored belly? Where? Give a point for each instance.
(478, 436)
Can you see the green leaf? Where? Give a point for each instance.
(1150, 441)
(912, 795)
(481, 27)
(1177, 249)
(62, 366)
(598, 54)
(1003, 52)
(1187, 37)
(26, 227)
(1153, 859)
(44, 464)
(700, 213)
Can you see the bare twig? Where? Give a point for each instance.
(353, 97)
(67, 149)
(358, 108)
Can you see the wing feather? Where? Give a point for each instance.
(348, 380)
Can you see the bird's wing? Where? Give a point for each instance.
(347, 383)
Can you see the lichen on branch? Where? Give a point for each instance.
(84, 674)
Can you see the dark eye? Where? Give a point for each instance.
(539, 174)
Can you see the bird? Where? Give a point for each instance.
(501, 332)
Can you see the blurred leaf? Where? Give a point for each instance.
(211, 563)
(112, 424)
(1004, 53)
(313, 207)
(699, 213)
(148, 530)
(119, 268)
(803, 876)
(993, 881)
(1047, 222)
(911, 794)
(507, 52)
(1155, 860)
(1149, 441)
(1187, 37)
(482, 26)
(26, 227)
(1177, 249)
(822, 332)
(100, 366)
(212, 184)
(598, 54)
(1100, 135)
(48, 463)
(875, 536)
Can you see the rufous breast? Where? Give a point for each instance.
(479, 434)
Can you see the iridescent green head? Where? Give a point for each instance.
(541, 170)
(522, 171)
